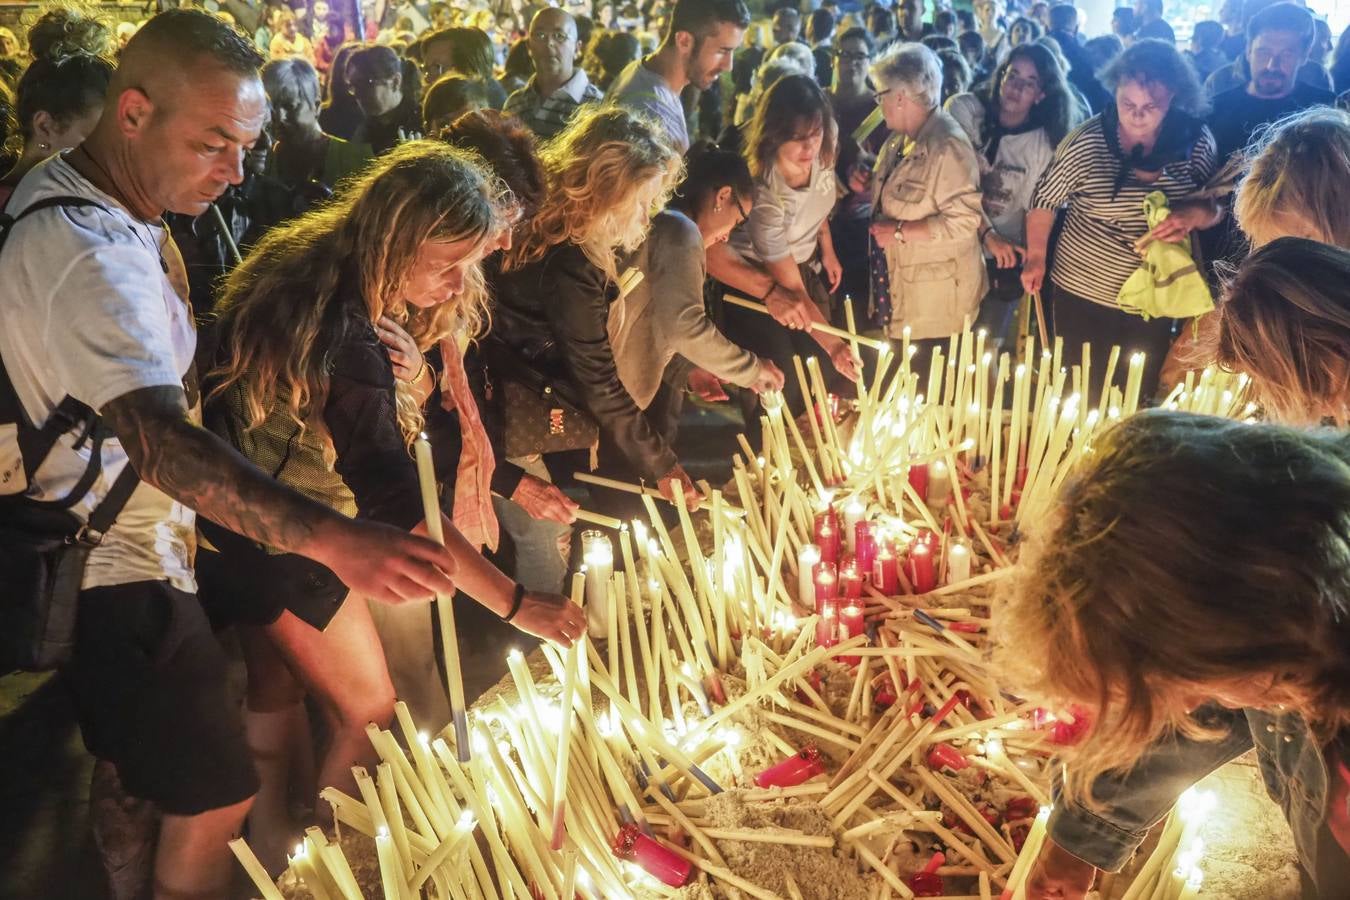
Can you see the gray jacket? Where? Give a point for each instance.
(664, 315)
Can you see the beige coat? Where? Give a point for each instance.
(935, 284)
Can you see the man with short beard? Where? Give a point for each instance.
(1278, 40)
(700, 39)
(546, 103)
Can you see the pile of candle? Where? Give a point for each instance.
(815, 643)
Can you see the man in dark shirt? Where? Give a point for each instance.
(1064, 29)
(820, 34)
(1148, 13)
(1278, 41)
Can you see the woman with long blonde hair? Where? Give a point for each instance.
(320, 380)
(558, 294)
(1191, 588)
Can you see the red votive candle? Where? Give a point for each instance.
(865, 547)
(852, 624)
(928, 883)
(827, 626)
(801, 766)
(653, 857)
(850, 580)
(920, 567)
(918, 479)
(886, 571)
(946, 756)
(826, 578)
(828, 538)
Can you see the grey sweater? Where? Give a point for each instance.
(664, 315)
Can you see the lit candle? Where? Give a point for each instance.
(958, 562)
(391, 874)
(807, 560)
(852, 622)
(922, 572)
(732, 739)
(850, 580)
(598, 555)
(865, 547)
(1031, 848)
(827, 536)
(854, 511)
(653, 857)
(827, 584)
(261, 880)
(827, 625)
(797, 768)
(885, 571)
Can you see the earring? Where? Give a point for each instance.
(717, 207)
(44, 146)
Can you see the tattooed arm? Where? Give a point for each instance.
(196, 468)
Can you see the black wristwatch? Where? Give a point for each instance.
(517, 599)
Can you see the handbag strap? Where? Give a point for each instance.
(37, 441)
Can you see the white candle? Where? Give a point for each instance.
(598, 554)
(958, 562)
(391, 874)
(854, 511)
(939, 485)
(807, 558)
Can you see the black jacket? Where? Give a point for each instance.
(554, 312)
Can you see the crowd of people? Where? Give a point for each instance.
(251, 252)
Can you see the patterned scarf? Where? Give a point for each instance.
(473, 514)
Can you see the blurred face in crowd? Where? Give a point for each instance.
(709, 56)
(9, 44)
(1141, 108)
(295, 118)
(987, 13)
(553, 44)
(1275, 58)
(1041, 13)
(288, 27)
(192, 130)
(911, 16)
(1230, 14)
(902, 112)
(850, 64)
(803, 150)
(436, 59)
(722, 215)
(375, 94)
(1020, 34)
(321, 11)
(1019, 92)
(787, 24)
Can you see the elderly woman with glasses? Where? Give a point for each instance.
(928, 273)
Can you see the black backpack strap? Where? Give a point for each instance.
(103, 516)
(36, 442)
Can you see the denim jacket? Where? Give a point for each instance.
(1293, 767)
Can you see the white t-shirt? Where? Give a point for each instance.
(88, 310)
(786, 221)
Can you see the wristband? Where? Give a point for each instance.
(773, 287)
(517, 598)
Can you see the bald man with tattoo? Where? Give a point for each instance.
(95, 308)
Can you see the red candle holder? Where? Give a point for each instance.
(850, 580)
(928, 883)
(653, 857)
(852, 623)
(827, 625)
(801, 766)
(921, 567)
(865, 546)
(826, 578)
(918, 479)
(946, 756)
(828, 537)
(886, 571)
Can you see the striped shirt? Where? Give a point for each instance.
(546, 116)
(1095, 254)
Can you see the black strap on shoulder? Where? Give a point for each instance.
(70, 415)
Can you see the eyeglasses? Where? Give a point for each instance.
(741, 210)
(878, 96)
(1018, 83)
(358, 83)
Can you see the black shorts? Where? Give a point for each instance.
(149, 680)
(241, 584)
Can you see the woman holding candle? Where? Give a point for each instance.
(307, 389)
(558, 291)
(1148, 598)
(927, 215)
(782, 255)
(1150, 139)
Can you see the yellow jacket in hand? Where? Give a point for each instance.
(1169, 283)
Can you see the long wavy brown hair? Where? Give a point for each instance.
(1285, 322)
(604, 176)
(1187, 558)
(286, 309)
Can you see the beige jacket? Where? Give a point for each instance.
(936, 283)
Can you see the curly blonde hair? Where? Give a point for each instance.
(604, 175)
(284, 311)
(1187, 558)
